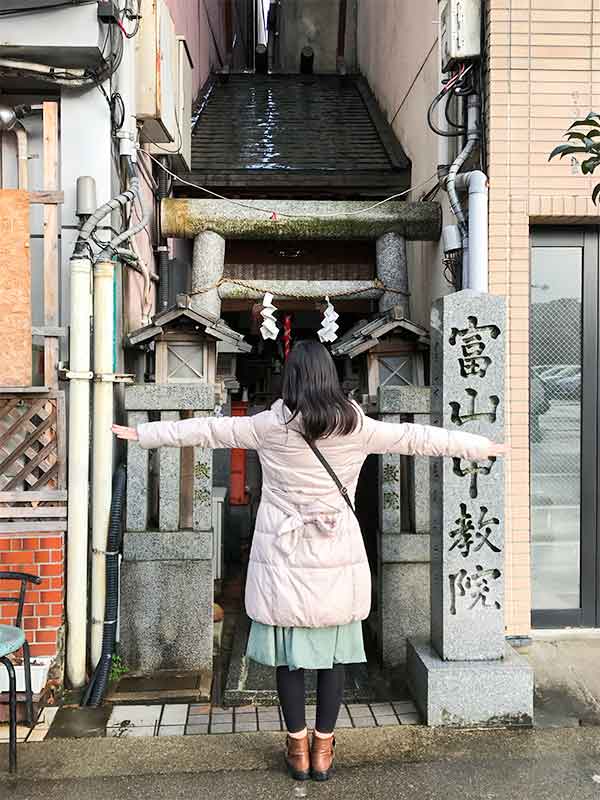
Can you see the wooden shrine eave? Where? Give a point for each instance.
(182, 313)
(366, 334)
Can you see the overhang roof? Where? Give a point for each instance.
(366, 333)
(268, 133)
(179, 315)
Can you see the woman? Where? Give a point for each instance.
(308, 584)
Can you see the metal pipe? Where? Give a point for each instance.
(341, 40)
(22, 155)
(163, 252)
(475, 243)
(102, 444)
(473, 136)
(261, 59)
(9, 121)
(79, 454)
(307, 60)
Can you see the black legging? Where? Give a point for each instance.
(330, 692)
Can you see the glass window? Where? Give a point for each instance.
(555, 425)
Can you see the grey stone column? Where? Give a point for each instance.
(203, 485)
(169, 480)
(137, 478)
(467, 675)
(166, 577)
(403, 552)
(392, 270)
(207, 268)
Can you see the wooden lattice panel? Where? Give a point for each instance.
(32, 443)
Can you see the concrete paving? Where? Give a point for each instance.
(553, 764)
(567, 678)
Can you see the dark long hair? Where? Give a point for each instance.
(311, 389)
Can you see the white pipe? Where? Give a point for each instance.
(102, 445)
(79, 454)
(475, 244)
(22, 154)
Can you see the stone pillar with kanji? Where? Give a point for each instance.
(467, 674)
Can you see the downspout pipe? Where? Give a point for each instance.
(10, 121)
(22, 155)
(163, 251)
(473, 137)
(474, 232)
(475, 243)
(79, 454)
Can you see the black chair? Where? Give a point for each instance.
(12, 639)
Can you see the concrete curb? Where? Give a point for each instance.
(65, 759)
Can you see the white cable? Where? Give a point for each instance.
(284, 213)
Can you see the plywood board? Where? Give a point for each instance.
(15, 289)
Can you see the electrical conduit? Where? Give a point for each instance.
(97, 686)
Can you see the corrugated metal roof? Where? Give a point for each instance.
(293, 123)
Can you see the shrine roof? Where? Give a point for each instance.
(182, 314)
(366, 333)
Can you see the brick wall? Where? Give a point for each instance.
(544, 72)
(41, 555)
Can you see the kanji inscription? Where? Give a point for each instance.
(468, 535)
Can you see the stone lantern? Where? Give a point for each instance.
(168, 543)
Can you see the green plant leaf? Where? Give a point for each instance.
(582, 137)
(595, 193)
(589, 165)
(589, 120)
(564, 150)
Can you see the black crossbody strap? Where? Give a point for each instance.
(330, 470)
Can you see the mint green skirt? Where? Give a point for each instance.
(306, 648)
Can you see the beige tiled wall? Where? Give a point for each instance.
(544, 72)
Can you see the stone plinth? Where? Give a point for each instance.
(494, 693)
(169, 397)
(167, 600)
(167, 574)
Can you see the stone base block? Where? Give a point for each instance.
(167, 601)
(470, 693)
(403, 608)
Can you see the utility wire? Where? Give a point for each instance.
(272, 212)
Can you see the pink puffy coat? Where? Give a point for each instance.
(308, 565)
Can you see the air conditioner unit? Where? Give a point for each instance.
(182, 144)
(156, 73)
(61, 36)
(460, 31)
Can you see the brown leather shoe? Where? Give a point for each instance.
(297, 758)
(321, 758)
